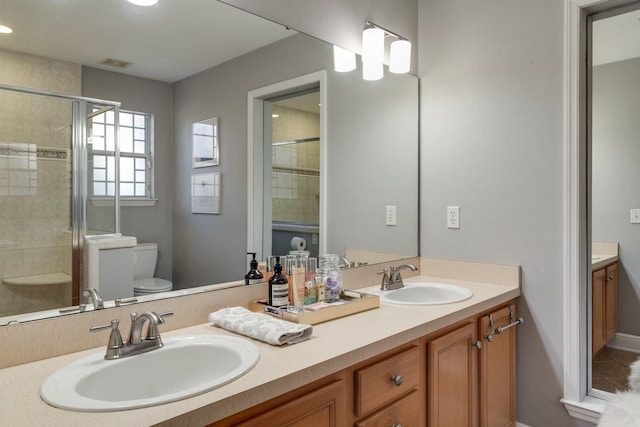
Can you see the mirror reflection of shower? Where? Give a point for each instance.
(43, 190)
(295, 171)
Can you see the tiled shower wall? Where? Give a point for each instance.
(296, 177)
(35, 180)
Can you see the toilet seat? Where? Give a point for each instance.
(152, 285)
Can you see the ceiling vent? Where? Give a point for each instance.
(115, 63)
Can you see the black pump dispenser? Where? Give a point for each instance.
(254, 276)
(278, 287)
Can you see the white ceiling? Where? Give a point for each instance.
(168, 42)
(616, 38)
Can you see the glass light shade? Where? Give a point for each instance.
(143, 2)
(372, 70)
(343, 60)
(400, 57)
(373, 45)
(5, 30)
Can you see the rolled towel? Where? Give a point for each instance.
(260, 326)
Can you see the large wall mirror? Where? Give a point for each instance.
(371, 134)
(614, 75)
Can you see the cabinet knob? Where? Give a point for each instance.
(477, 344)
(397, 380)
(610, 278)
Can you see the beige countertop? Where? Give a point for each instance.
(601, 260)
(335, 345)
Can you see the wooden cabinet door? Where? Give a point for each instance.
(598, 334)
(323, 407)
(498, 369)
(452, 391)
(611, 302)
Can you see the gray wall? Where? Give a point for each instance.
(615, 173)
(370, 131)
(492, 123)
(147, 224)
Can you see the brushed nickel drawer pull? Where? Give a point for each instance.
(397, 380)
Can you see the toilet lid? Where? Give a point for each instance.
(152, 285)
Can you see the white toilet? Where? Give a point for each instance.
(146, 256)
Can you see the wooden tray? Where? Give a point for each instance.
(350, 306)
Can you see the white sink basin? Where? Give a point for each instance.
(425, 293)
(184, 367)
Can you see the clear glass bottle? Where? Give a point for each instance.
(329, 269)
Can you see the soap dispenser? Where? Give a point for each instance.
(254, 276)
(278, 287)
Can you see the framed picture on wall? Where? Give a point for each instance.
(206, 150)
(205, 193)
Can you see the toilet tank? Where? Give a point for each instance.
(146, 258)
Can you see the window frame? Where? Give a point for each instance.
(148, 199)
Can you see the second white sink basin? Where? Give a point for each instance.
(425, 293)
(184, 367)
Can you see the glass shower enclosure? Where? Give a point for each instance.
(46, 173)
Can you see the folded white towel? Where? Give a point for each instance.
(260, 326)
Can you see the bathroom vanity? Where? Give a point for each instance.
(604, 294)
(341, 376)
(461, 375)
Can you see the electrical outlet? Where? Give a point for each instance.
(453, 216)
(391, 218)
(635, 216)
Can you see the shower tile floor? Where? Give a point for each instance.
(610, 369)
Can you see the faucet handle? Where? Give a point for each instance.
(152, 329)
(115, 339)
(385, 279)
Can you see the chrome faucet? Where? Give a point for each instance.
(345, 262)
(96, 298)
(394, 280)
(117, 349)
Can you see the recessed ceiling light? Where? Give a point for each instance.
(5, 30)
(143, 2)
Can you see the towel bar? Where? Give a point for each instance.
(517, 322)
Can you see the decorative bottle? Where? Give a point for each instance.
(278, 287)
(329, 269)
(254, 276)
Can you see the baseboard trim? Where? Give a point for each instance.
(625, 342)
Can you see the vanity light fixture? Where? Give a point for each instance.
(343, 60)
(373, 44)
(5, 30)
(143, 2)
(400, 56)
(372, 70)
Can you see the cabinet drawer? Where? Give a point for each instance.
(404, 412)
(375, 385)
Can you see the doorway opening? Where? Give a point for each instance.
(287, 166)
(292, 172)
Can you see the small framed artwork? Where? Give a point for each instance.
(206, 150)
(205, 193)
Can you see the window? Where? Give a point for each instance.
(135, 154)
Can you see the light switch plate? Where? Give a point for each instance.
(635, 216)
